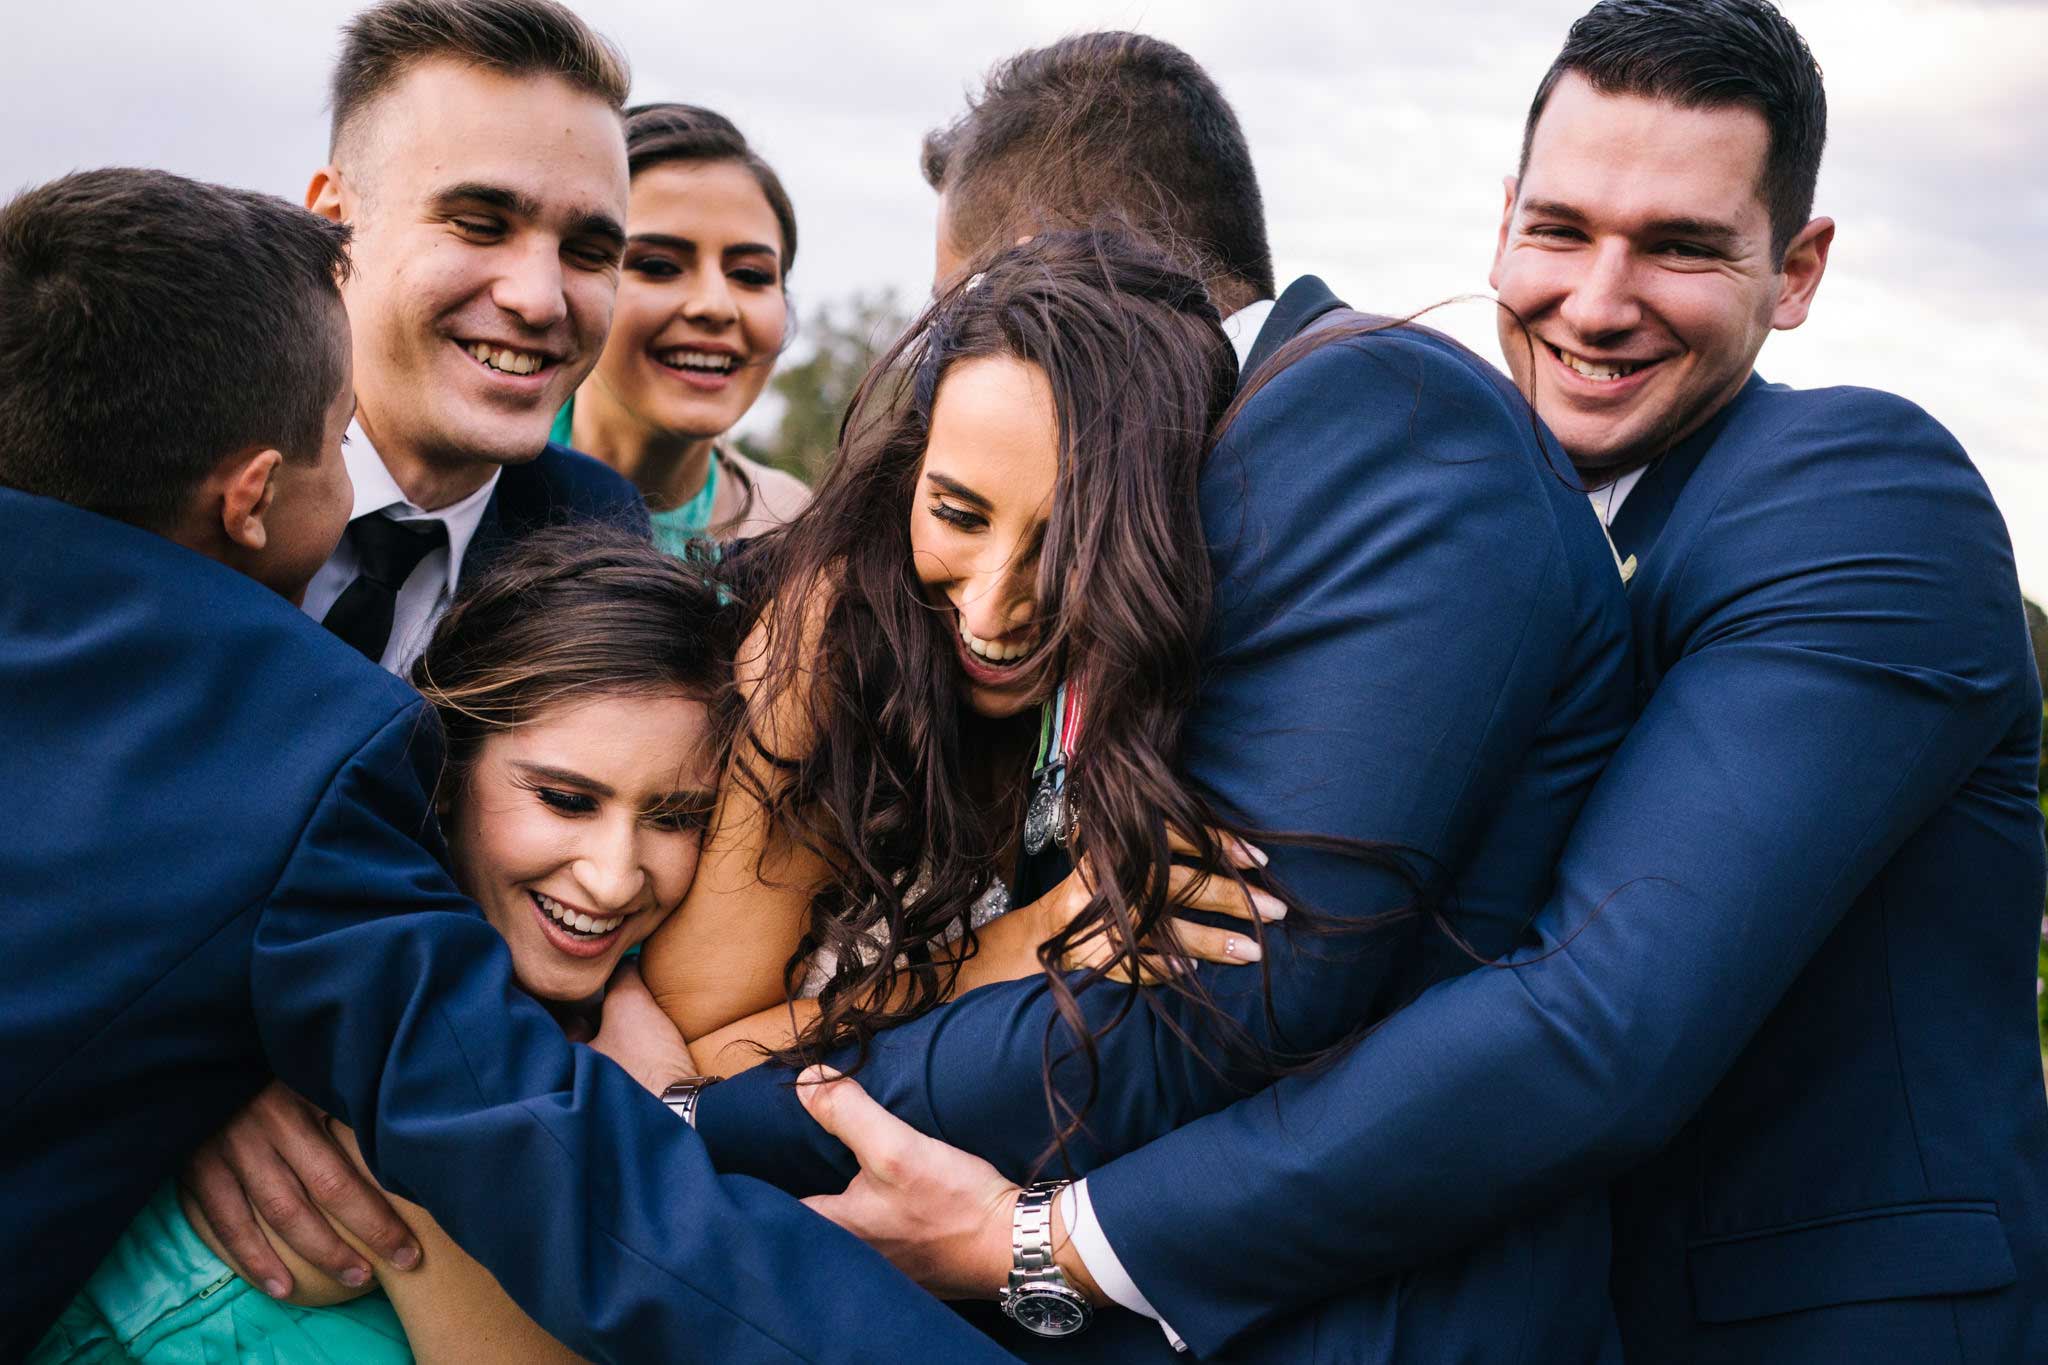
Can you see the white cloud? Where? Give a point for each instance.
(1381, 132)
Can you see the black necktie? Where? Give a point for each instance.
(387, 552)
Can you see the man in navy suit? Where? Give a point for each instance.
(1781, 993)
(478, 157)
(477, 153)
(1419, 641)
(223, 861)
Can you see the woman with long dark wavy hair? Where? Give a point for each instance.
(974, 652)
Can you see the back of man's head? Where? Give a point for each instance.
(1099, 128)
(1705, 54)
(510, 37)
(152, 326)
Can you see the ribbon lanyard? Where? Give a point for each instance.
(1050, 817)
(1059, 724)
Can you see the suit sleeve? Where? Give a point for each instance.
(383, 995)
(1847, 641)
(1393, 602)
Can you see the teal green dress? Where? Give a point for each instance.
(162, 1297)
(680, 531)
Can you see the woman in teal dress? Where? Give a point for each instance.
(577, 687)
(700, 322)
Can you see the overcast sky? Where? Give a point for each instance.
(1381, 131)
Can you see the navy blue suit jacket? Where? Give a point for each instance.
(560, 486)
(1420, 639)
(218, 867)
(1790, 962)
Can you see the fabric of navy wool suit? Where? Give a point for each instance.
(1784, 991)
(563, 485)
(1420, 639)
(221, 864)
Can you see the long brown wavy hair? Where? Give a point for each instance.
(909, 796)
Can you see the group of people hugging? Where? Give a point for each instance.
(1225, 825)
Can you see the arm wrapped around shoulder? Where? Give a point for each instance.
(1399, 604)
(386, 998)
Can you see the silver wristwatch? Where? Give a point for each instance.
(681, 1097)
(1038, 1297)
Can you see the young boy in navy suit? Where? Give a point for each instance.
(222, 863)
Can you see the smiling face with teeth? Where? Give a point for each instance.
(578, 832)
(701, 310)
(488, 213)
(1636, 249)
(984, 491)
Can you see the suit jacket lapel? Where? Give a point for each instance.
(1641, 519)
(490, 536)
(1307, 299)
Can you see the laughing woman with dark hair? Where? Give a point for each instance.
(973, 658)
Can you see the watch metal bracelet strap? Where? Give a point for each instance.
(681, 1097)
(1038, 1297)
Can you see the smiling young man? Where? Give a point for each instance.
(229, 865)
(1781, 993)
(478, 155)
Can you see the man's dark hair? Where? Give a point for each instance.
(151, 326)
(511, 37)
(1101, 128)
(1705, 54)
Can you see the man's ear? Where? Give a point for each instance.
(1507, 216)
(1806, 260)
(248, 487)
(324, 194)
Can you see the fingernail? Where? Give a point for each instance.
(275, 1288)
(1269, 906)
(407, 1258)
(1243, 950)
(1254, 852)
(355, 1277)
(816, 1075)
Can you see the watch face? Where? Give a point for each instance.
(1049, 1312)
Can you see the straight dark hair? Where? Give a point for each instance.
(512, 37)
(1709, 54)
(1105, 128)
(569, 614)
(661, 134)
(152, 326)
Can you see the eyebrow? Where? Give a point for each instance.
(564, 777)
(600, 225)
(1702, 229)
(959, 490)
(675, 243)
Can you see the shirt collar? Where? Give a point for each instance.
(1243, 328)
(1608, 497)
(377, 491)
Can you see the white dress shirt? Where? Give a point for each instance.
(1084, 1229)
(431, 585)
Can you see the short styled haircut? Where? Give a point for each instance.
(152, 326)
(1106, 128)
(511, 37)
(1707, 54)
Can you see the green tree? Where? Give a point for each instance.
(836, 346)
